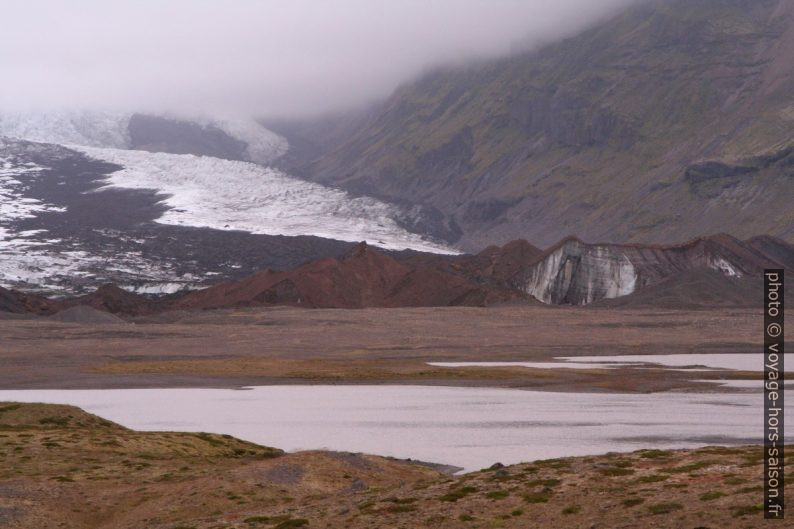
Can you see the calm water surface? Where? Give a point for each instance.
(468, 427)
(693, 362)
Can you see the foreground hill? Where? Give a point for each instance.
(713, 271)
(671, 120)
(60, 466)
(364, 278)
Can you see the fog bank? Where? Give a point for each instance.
(273, 58)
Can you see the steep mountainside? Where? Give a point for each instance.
(673, 120)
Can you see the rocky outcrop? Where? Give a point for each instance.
(158, 134)
(692, 289)
(494, 266)
(110, 298)
(106, 299)
(21, 303)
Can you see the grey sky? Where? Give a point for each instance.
(264, 57)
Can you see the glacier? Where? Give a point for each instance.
(38, 261)
(215, 193)
(208, 192)
(93, 128)
(197, 192)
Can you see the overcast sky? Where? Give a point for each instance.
(255, 57)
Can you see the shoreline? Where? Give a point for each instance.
(79, 469)
(701, 385)
(498, 424)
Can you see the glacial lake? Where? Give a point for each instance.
(689, 362)
(470, 428)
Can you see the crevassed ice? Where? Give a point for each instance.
(111, 129)
(100, 129)
(158, 288)
(223, 194)
(21, 258)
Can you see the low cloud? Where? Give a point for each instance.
(275, 58)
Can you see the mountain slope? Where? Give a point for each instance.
(672, 120)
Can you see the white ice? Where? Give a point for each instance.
(230, 195)
(264, 146)
(110, 129)
(100, 129)
(159, 288)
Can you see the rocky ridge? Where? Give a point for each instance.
(718, 270)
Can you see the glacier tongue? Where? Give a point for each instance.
(209, 192)
(47, 246)
(222, 194)
(580, 274)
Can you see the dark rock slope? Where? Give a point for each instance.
(158, 134)
(673, 119)
(364, 278)
(21, 303)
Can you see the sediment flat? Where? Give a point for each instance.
(238, 347)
